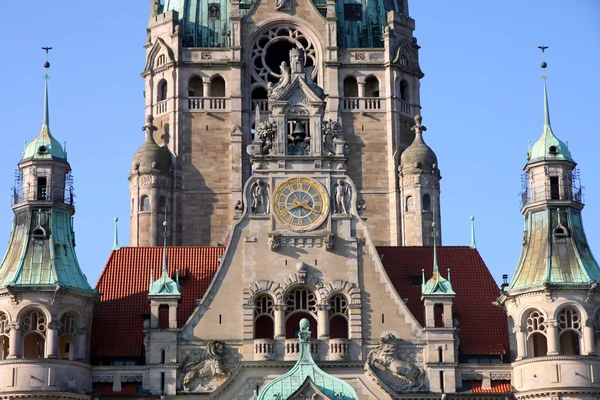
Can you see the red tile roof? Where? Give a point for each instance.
(118, 322)
(483, 326)
(496, 387)
(105, 389)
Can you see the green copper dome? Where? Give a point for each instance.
(44, 146)
(548, 146)
(306, 375)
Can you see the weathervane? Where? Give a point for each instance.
(544, 65)
(47, 63)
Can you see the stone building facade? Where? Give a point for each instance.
(285, 234)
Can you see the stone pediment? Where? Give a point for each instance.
(159, 47)
(300, 93)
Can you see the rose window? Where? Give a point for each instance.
(272, 48)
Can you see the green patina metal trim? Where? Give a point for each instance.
(548, 146)
(437, 285)
(44, 146)
(306, 372)
(164, 286)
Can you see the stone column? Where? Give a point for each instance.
(361, 89)
(52, 339)
(323, 321)
(588, 338)
(518, 331)
(173, 316)
(552, 335)
(154, 315)
(80, 351)
(206, 88)
(279, 313)
(16, 331)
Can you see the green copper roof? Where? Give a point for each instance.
(437, 285)
(306, 373)
(164, 286)
(548, 146)
(44, 146)
(41, 251)
(555, 251)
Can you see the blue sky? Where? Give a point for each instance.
(481, 99)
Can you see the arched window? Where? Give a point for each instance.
(4, 336)
(217, 87)
(301, 303)
(34, 339)
(196, 87)
(537, 345)
(264, 327)
(160, 60)
(371, 87)
(410, 204)
(162, 90)
(350, 87)
(404, 95)
(426, 203)
(66, 332)
(569, 326)
(161, 204)
(145, 203)
(338, 317)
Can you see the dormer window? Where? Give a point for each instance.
(553, 150)
(560, 231)
(42, 150)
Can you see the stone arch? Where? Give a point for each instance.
(522, 319)
(350, 86)
(35, 306)
(218, 86)
(195, 86)
(307, 31)
(339, 286)
(571, 304)
(8, 314)
(306, 280)
(264, 287)
(372, 85)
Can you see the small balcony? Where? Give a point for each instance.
(161, 107)
(292, 349)
(54, 194)
(339, 349)
(264, 349)
(362, 104)
(204, 104)
(262, 105)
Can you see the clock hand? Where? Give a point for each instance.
(295, 205)
(314, 210)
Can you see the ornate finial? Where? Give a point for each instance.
(46, 118)
(473, 245)
(544, 64)
(149, 127)
(116, 238)
(418, 128)
(165, 234)
(434, 234)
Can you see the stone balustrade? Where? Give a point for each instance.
(161, 107)
(292, 349)
(264, 349)
(208, 104)
(339, 349)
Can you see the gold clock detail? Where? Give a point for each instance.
(301, 204)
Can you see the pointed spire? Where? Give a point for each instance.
(46, 117)
(165, 269)
(165, 286)
(546, 107)
(116, 237)
(473, 245)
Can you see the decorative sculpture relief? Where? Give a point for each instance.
(332, 136)
(274, 242)
(398, 374)
(260, 198)
(275, 90)
(342, 192)
(265, 131)
(283, 5)
(204, 371)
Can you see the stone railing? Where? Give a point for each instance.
(161, 107)
(264, 349)
(362, 104)
(405, 107)
(208, 104)
(339, 349)
(292, 349)
(263, 105)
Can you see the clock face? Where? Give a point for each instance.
(301, 204)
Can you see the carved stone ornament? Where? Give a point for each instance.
(341, 197)
(285, 78)
(361, 207)
(332, 134)
(283, 5)
(265, 132)
(260, 197)
(328, 241)
(387, 363)
(203, 371)
(274, 242)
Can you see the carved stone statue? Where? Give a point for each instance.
(341, 195)
(282, 5)
(260, 200)
(149, 127)
(265, 131)
(273, 91)
(331, 131)
(400, 375)
(274, 242)
(203, 373)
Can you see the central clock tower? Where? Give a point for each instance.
(299, 182)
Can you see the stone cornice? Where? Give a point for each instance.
(22, 361)
(44, 394)
(554, 359)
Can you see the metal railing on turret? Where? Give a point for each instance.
(54, 194)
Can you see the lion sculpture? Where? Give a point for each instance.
(202, 374)
(398, 374)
